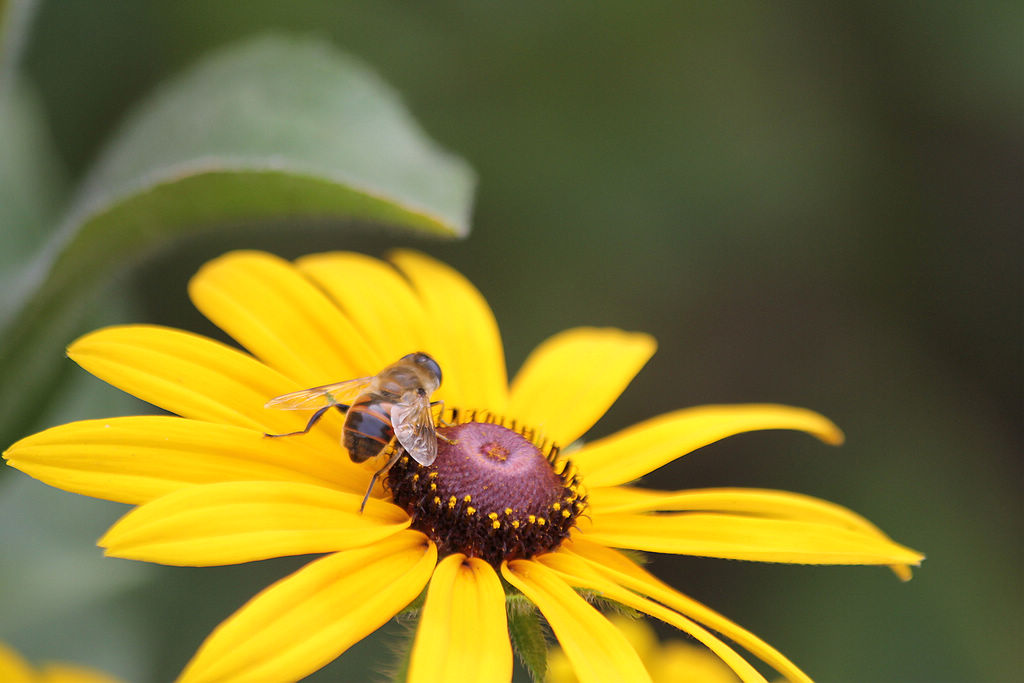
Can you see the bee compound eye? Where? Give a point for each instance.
(432, 365)
(426, 362)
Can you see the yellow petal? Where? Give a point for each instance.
(304, 621)
(597, 650)
(194, 377)
(741, 537)
(285, 320)
(53, 672)
(627, 573)
(381, 304)
(463, 632)
(469, 348)
(236, 522)
(136, 459)
(570, 380)
(13, 668)
(644, 447)
(753, 502)
(578, 572)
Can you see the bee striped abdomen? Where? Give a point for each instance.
(368, 428)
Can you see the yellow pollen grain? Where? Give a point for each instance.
(467, 498)
(496, 453)
(515, 523)
(416, 477)
(556, 506)
(452, 501)
(541, 521)
(493, 515)
(565, 513)
(508, 511)
(532, 519)
(437, 500)
(471, 510)
(432, 475)
(433, 486)
(495, 524)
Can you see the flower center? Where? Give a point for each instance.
(493, 492)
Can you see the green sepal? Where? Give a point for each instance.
(526, 630)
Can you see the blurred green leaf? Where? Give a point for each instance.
(15, 18)
(55, 582)
(271, 130)
(280, 110)
(31, 182)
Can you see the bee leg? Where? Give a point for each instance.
(373, 480)
(444, 423)
(440, 415)
(313, 420)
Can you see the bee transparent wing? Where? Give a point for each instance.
(414, 428)
(318, 397)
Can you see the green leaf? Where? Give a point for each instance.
(31, 181)
(269, 131)
(53, 580)
(276, 109)
(15, 18)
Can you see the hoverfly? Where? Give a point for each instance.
(393, 404)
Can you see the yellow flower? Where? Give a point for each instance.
(14, 669)
(672, 661)
(501, 503)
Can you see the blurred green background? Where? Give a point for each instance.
(808, 203)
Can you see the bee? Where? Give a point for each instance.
(393, 404)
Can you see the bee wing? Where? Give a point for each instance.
(318, 397)
(414, 428)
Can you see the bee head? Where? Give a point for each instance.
(424, 361)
